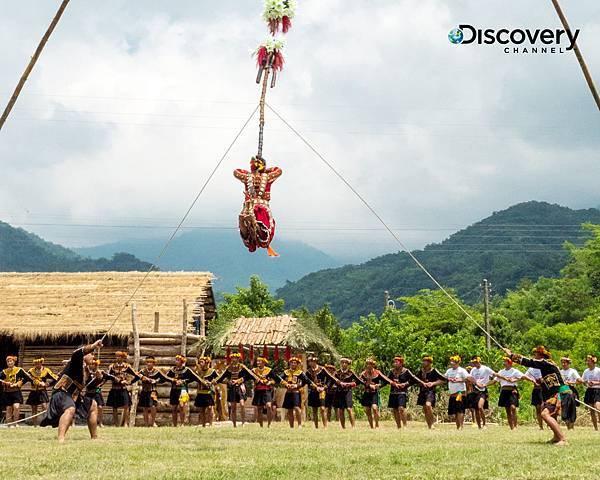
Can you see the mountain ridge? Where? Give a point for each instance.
(524, 241)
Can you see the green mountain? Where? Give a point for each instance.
(222, 253)
(524, 241)
(21, 251)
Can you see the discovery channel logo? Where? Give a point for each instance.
(520, 40)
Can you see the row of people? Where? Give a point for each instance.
(329, 388)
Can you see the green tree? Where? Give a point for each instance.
(254, 301)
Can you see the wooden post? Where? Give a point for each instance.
(202, 322)
(156, 320)
(184, 329)
(136, 363)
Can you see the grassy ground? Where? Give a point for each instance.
(225, 453)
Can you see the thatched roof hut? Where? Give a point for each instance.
(273, 332)
(51, 314)
(36, 306)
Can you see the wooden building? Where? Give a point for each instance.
(51, 314)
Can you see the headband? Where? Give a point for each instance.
(11, 357)
(399, 359)
(294, 359)
(120, 354)
(476, 359)
(235, 355)
(181, 358)
(263, 359)
(345, 359)
(592, 358)
(508, 360)
(428, 358)
(38, 360)
(455, 358)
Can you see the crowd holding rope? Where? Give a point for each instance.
(77, 390)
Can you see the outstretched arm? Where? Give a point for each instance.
(241, 174)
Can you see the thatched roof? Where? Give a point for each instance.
(284, 330)
(52, 305)
(261, 331)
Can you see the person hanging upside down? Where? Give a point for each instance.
(235, 375)
(148, 400)
(557, 396)
(294, 379)
(263, 390)
(509, 393)
(41, 378)
(482, 375)
(67, 400)
(256, 222)
(119, 396)
(430, 378)
(402, 378)
(571, 378)
(205, 397)
(347, 380)
(591, 379)
(13, 378)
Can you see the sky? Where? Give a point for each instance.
(134, 101)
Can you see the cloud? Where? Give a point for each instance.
(133, 103)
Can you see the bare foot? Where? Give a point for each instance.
(562, 442)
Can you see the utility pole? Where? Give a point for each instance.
(388, 302)
(486, 311)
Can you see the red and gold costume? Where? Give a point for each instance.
(256, 222)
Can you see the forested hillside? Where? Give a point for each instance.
(524, 241)
(21, 251)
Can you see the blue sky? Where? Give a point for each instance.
(133, 102)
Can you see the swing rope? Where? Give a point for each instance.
(183, 219)
(385, 225)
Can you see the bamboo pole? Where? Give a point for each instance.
(578, 54)
(136, 363)
(32, 62)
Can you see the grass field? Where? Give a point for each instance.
(254, 453)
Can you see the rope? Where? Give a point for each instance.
(261, 122)
(587, 406)
(168, 243)
(34, 58)
(4, 425)
(385, 225)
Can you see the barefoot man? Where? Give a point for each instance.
(556, 395)
(67, 398)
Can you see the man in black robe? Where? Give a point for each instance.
(67, 397)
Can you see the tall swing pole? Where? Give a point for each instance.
(32, 62)
(578, 54)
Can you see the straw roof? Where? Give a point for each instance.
(52, 305)
(261, 331)
(284, 330)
